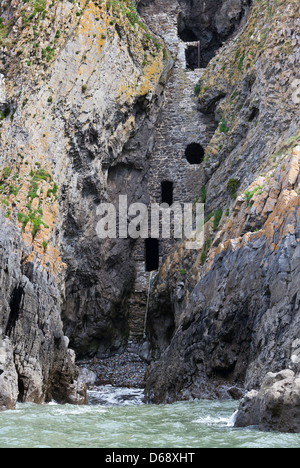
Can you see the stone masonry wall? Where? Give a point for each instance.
(180, 124)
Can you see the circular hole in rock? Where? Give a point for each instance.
(194, 153)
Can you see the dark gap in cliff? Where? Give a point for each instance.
(161, 327)
(92, 138)
(224, 372)
(119, 31)
(85, 320)
(294, 307)
(140, 106)
(167, 189)
(152, 254)
(28, 270)
(5, 109)
(90, 188)
(199, 22)
(166, 325)
(253, 223)
(21, 389)
(210, 41)
(169, 325)
(15, 307)
(57, 341)
(209, 107)
(194, 153)
(254, 114)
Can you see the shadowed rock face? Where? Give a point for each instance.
(79, 136)
(35, 362)
(235, 308)
(231, 335)
(210, 22)
(101, 273)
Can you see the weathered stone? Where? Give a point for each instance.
(110, 111)
(239, 322)
(2, 92)
(35, 363)
(87, 377)
(96, 134)
(276, 407)
(8, 377)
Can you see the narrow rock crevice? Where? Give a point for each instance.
(15, 308)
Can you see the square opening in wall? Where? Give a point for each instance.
(152, 254)
(167, 189)
(192, 57)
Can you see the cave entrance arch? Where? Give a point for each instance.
(199, 22)
(193, 56)
(186, 31)
(194, 153)
(187, 35)
(152, 254)
(167, 190)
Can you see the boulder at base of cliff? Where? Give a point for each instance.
(276, 407)
(8, 376)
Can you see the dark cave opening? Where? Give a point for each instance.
(167, 189)
(193, 60)
(209, 42)
(152, 254)
(224, 372)
(187, 35)
(197, 22)
(194, 153)
(21, 390)
(161, 327)
(254, 114)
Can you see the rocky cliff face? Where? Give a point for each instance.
(81, 86)
(86, 93)
(235, 303)
(275, 407)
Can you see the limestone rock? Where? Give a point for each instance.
(83, 104)
(101, 105)
(35, 363)
(237, 318)
(8, 377)
(276, 407)
(87, 377)
(2, 91)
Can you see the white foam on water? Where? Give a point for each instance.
(119, 422)
(218, 420)
(107, 395)
(232, 419)
(211, 420)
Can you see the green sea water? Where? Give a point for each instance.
(117, 418)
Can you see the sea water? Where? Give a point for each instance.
(118, 418)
